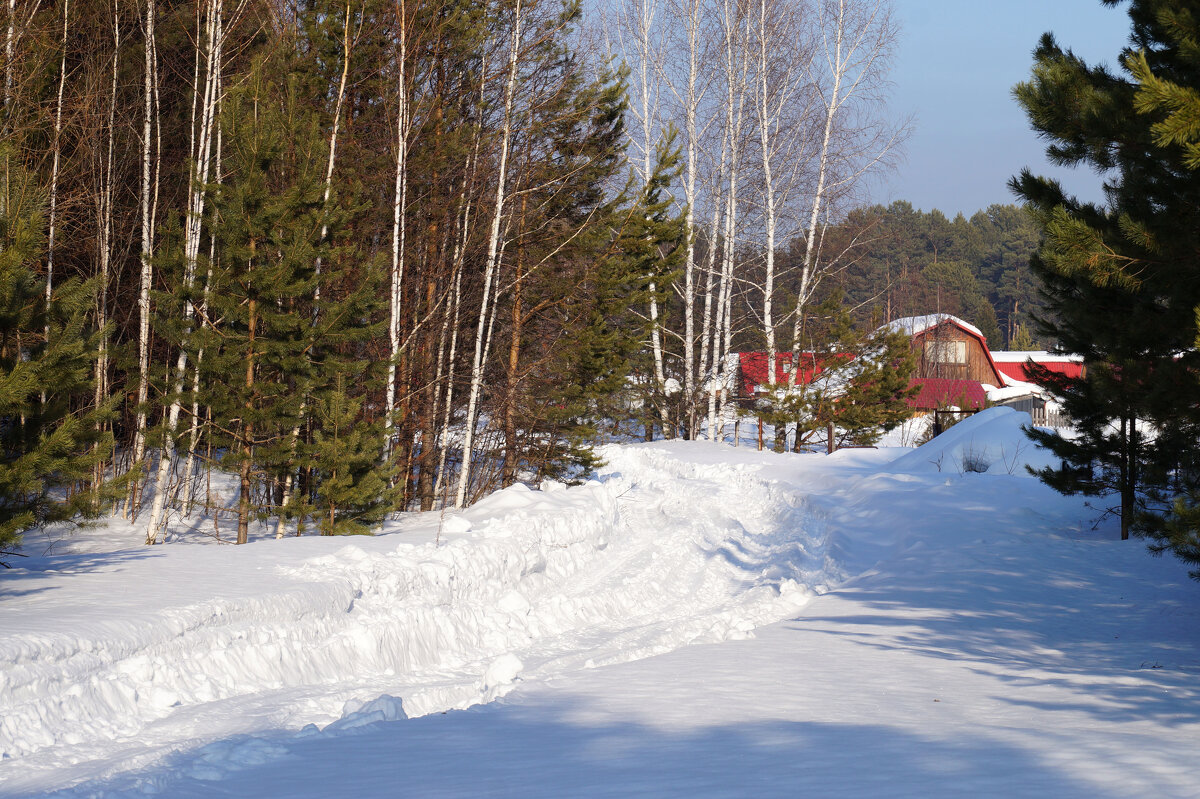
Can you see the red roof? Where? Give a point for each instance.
(1016, 369)
(941, 392)
(753, 367)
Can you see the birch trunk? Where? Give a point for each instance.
(810, 249)
(148, 198)
(201, 149)
(736, 65)
(490, 267)
(105, 221)
(399, 209)
(765, 124)
(691, 105)
(58, 109)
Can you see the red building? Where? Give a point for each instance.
(1012, 364)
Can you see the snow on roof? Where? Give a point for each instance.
(1016, 388)
(1037, 356)
(915, 325)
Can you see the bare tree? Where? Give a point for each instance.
(151, 170)
(858, 37)
(205, 102)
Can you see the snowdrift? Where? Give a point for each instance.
(992, 441)
(153, 649)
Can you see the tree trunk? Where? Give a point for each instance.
(201, 148)
(477, 366)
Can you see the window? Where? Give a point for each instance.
(946, 351)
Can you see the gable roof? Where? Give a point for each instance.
(913, 326)
(916, 325)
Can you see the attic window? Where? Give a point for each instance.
(946, 351)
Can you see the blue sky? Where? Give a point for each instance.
(955, 67)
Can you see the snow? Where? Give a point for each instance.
(1038, 356)
(915, 325)
(990, 441)
(701, 620)
(1014, 388)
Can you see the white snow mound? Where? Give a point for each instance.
(992, 441)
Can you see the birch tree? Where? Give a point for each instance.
(857, 38)
(206, 96)
(151, 168)
(494, 244)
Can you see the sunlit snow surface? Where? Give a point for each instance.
(701, 621)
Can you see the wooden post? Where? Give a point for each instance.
(830, 444)
(760, 435)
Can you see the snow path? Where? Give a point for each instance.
(142, 654)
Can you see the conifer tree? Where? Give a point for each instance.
(1121, 280)
(853, 382)
(48, 448)
(257, 336)
(353, 493)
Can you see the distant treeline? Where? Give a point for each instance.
(900, 261)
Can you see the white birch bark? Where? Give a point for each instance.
(106, 218)
(333, 142)
(455, 303)
(858, 36)
(736, 66)
(399, 212)
(644, 12)
(691, 134)
(491, 264)
(201, 149)
(58, 110)
(149, 194)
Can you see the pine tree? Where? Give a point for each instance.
(258, 336)
(353, 493)
(650, 251)
(1120, 280)
(578, 269)
(854, 382)
(49, 448)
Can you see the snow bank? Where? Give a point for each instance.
(148, 650)
(991, 441)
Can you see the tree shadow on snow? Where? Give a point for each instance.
(536, 750)
(1124, 642)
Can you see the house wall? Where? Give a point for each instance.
(973, 364)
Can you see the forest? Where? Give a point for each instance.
(374, 256)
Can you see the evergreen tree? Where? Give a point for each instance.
(577, 276)
(353, 493)
(855, 383)
(49, 447)
(649, 255)
(1121, 281)
(269, 349)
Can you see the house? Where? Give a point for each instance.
(948, 348)
(955, 368)
(954, 365)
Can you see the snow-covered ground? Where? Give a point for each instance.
(702, 620)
